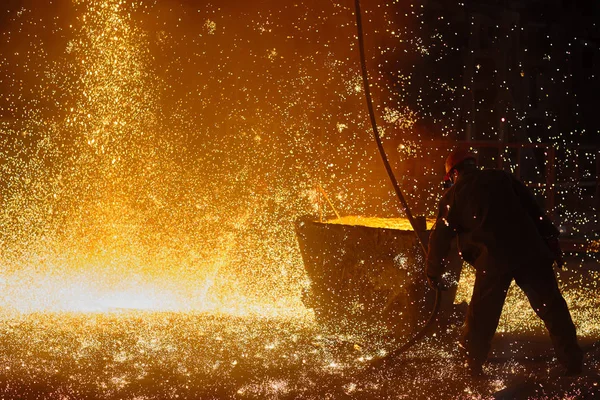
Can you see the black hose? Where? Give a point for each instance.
(438, 295)
(388, 168)
(390, 359)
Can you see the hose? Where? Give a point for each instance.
(438, 295)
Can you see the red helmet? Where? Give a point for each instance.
(456, 157)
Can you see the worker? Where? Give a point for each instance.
(503, 233)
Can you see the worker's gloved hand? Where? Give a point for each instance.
(435, 282)
(555, 249)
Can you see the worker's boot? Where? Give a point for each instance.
(574, 367)
(575, 371)
(473, 366)
(566, 371)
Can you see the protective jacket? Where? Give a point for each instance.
(499, 225)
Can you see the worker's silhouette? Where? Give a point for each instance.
(503, 233)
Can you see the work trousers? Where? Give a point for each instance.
(540, 286)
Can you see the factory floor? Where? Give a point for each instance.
(180, 355)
